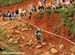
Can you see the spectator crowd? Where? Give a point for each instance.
(32, 8)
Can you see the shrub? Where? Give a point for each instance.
(73, 3)
(70, 13)
(39, 15)
(72, 30)
(65, 15)
(49, 11)
(7, 2)
(59, 10)
(68, 23)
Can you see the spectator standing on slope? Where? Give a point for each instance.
(53, 6)
(30, 14)
(48, 6)
(32, 8)
(44, 1)
(24, 12)
(5, 15)
(17, 11)
(9, 15)
(13, 16)
(40, 6)
(20, 11)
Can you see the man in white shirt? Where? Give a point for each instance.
(24, 12)
(20, 11)
(40, 6)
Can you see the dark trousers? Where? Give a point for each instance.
(38, 37)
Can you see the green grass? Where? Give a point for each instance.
(64, 14)
(8, 2)
(49, 11)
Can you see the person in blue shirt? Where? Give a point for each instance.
(34, 8)
(13, 16)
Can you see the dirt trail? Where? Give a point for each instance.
(44, 23)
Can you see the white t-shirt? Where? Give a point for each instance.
(20, 10)
(67, 2)
(24, 11)
(39, 3)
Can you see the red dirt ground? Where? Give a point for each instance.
(49, 23)
(27, 34)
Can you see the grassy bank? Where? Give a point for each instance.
(8, 2)
(66, 14)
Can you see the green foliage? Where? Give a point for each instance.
(74, 3)
(7, 2)
(59, 10)
(69, 23)
(6, 49)
(65, 14)
(49, 11)
(1, 30)
(72, 30)
(70, 13)
(2, 34)
(39, 15)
